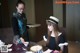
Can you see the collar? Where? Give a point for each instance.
(59, 33)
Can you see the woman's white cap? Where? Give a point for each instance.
(53, 19)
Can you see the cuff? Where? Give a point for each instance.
(63, 44)
(44, 38)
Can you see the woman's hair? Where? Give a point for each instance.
(56, 30)
(20, 2)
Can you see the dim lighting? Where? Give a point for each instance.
(0, 4)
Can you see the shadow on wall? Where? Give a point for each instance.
(6, 35)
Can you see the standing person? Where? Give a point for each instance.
(55, 39)
(18, 22)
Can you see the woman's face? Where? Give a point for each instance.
(50, 27)
(20, 8)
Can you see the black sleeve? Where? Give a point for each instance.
(65, 50)
(64, 37)
(46, 36)
(15, 26)
(63, 40)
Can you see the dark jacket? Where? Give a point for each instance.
(16, 25)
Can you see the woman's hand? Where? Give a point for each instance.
(56, 51)
(48, 51)
(25, 43)
(22, 40)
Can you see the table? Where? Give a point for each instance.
(27, 49)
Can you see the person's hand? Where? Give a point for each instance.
(61, 46)
(26, 43)
(56, 51)
(48, 51)
(22, 40)
(61, 51)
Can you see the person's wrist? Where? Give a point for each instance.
(56, 51)
(22, 40)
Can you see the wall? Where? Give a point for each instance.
(58, 12)
(43, 10)
(73, 21)
(0, 15)
(69, 18)
(70, 21)
(4, 14)
(30, 13)
(12, 7)
(77, 22)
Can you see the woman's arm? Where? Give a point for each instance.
(48, 51)
(44, 38)
(63, 43)
(24, 42)
(15, 26)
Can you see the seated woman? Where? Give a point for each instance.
(55, 40)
